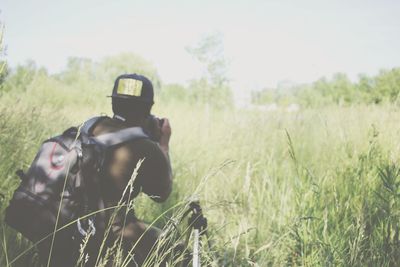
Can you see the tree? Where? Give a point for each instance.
(19, 78)
(213, 87)
(388, 84)
(113, 66)
(3, 63)
(343, 90)
(174, 92)
(367, 88)
(78, 70)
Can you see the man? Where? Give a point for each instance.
(132, 99)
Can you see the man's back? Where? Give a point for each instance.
(154, 178)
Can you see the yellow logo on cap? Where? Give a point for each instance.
(130, 87)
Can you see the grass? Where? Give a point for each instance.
(319, 187)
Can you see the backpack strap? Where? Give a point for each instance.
(121, 136)
(114, 138)
(88, 125)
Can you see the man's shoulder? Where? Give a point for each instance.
(106, 124)
(110, 125)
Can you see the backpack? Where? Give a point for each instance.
(61, 188)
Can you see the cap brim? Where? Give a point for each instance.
(132, 98)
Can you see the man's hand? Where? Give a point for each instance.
(165, 135)
(164, 146)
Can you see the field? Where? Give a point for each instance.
(316, 187)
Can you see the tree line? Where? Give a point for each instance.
(85, 76)
(339, 89)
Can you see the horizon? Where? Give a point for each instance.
(266, 43)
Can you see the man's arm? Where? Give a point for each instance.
(164, 143)
(158, 184)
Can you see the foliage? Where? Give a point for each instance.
(3, 63)
(316, 188)
(382, 88)
(319, 187)
(213, 87)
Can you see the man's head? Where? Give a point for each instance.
(132, 97)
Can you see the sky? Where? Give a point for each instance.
(266, 42)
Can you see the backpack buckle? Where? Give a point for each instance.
(91, 229)
(78, 148)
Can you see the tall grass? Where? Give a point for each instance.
(319, 187)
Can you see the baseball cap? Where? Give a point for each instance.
(133, 87)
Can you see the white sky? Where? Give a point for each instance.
(265, 41)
